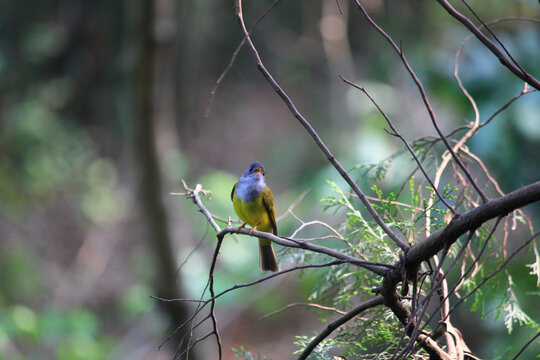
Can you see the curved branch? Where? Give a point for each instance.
(378, 300)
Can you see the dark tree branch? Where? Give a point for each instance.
(393, 301)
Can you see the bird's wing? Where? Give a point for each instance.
(268, 201)
(233, 190)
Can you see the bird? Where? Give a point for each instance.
(253, 202)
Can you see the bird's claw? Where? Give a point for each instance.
(240, 227)
(253, 229)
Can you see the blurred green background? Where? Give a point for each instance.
(82, 246)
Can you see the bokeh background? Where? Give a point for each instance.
(105, 107)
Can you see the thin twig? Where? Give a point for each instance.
(313, 305)
(292, 206)
(525, 346)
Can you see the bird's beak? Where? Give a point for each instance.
(259, 171)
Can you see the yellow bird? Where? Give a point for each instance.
(253, 202)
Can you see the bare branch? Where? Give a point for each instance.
(313, 305)
(485, 26)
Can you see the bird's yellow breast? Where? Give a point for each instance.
(253, 213)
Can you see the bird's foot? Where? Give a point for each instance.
(253, 229)
(240, 227)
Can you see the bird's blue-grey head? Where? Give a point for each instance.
(251, 183)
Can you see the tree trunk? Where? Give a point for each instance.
(152, 208)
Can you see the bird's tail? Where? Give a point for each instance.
(267, 258)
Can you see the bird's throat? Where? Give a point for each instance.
(250, 187)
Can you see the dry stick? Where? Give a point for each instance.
(210, 284)
(378, 300)
(292, 206)
(422, 91)
(194, 194)
(403, 245)
(502, 108)
(233, 59)
(397, 134)
(490, 45)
